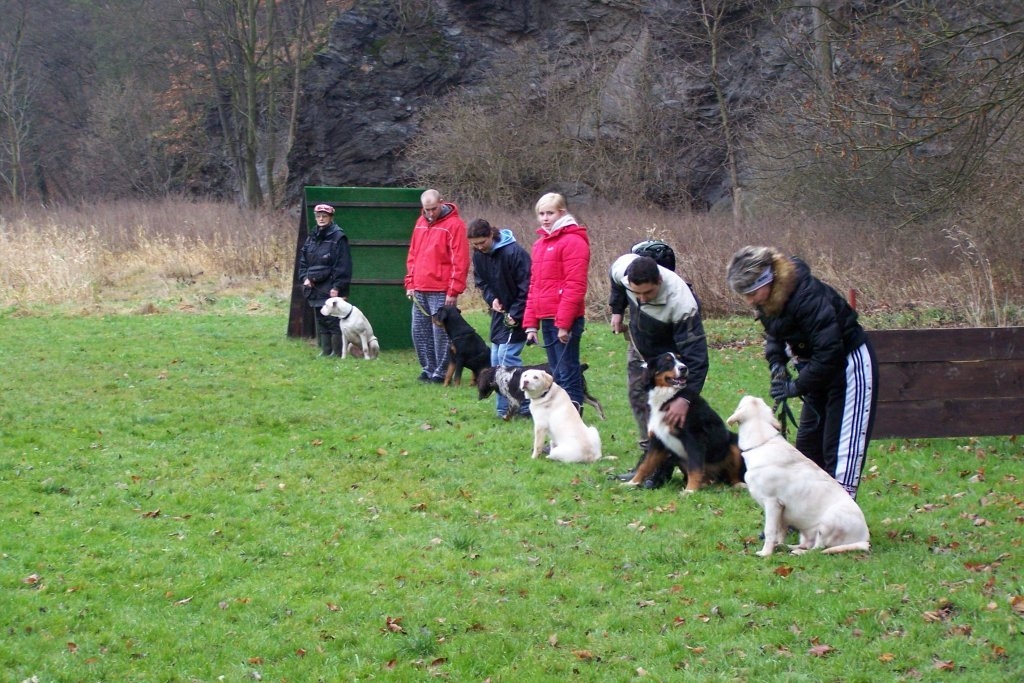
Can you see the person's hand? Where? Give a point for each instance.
(781, 389)
(307, 283)
(531, 337)
(779, 371)
(616, 323)
(334, 292)
(678, 409)
(563, 335)
(451, 300)
(409, 293)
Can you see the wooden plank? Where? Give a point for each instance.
(947, 418)
(948, 344)
(963, 380)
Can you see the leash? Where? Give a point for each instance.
(784, 414)
(420, 306)
(561, 356)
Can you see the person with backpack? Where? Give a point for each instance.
(664, 316)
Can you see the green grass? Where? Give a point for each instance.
(195, 497)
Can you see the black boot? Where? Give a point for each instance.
(325, 346)
(336, 341)
(660, 476)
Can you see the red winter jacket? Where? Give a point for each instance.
(558, 276)
(438, 259)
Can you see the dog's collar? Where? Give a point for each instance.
(754, 448)
(346, 316)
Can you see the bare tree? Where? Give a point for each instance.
(15, 102)
(922, 95)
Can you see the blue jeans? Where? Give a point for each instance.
(564, 359)
(508, 355)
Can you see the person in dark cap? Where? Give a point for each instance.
(664, 315)
(810, 324)
(325, 270)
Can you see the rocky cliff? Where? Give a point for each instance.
(364, 95)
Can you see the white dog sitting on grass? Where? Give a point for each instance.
(793, 491)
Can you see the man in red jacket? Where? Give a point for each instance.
(435, 274)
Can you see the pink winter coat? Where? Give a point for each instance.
(558, 276)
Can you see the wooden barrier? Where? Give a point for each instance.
(949, 382)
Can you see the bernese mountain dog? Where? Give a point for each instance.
(703, 447)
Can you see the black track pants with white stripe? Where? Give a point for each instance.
(835, 429)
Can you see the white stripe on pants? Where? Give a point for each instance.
(853, 434)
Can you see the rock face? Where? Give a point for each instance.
(364, 95)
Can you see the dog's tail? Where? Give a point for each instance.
(864, 546)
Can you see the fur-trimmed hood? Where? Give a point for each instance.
(786, 273)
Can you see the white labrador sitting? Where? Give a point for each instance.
(793, 490)
(355, 328)
(554, 413)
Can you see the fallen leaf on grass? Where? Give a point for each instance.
(820, 650)
(783, 570)
(1016, 604)
(944, 665)
(31, 579)
(886, 657)
(393, 625)
(585, 655)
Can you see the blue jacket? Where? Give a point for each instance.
(504, 274)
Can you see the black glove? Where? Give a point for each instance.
(781, 389)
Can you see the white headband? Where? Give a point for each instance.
(762, 279)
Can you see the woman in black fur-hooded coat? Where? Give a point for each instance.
(811, 324)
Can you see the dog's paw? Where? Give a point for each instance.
(797, 550)
(739, 485)
(687, 492)
(765, 552)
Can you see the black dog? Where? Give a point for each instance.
(505, 380)
(703, 447)
(466, 348)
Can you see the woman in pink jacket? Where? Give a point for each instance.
(558, 287)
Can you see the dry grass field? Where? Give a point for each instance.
(142, 257)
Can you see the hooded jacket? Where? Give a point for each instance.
(558, 275)
(503, 273)
(438, 259)
(813, 320)
(670, 322)
(326, 260)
